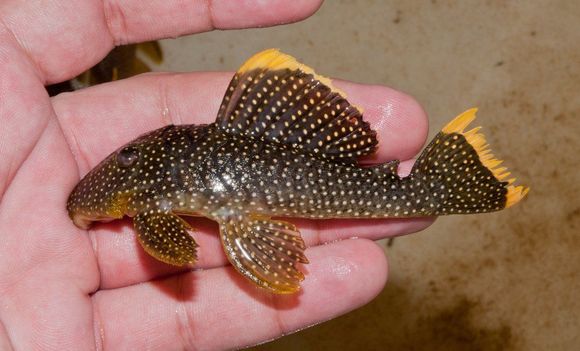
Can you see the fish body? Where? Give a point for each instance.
(285, 144)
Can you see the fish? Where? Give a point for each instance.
(285, 144)
(122, 62)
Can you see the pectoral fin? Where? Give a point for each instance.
(265, 251)
(165, 236)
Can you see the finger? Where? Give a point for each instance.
(65, 38)
(122, 261)
(99, 119)
(47, 267)
(137, 105)
(400, 121)
(4, 340)
(188, 311)
(24, 108)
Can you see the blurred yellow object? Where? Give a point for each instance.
(121, 62)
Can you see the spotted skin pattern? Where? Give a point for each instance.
(175, 246)
(285, 144)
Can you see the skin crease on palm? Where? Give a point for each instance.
(64, 288)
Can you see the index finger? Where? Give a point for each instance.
(64, 38)
(99, 119)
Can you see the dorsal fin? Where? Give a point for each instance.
(276, 98)
(388, 169)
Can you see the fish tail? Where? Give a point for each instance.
(459, 175)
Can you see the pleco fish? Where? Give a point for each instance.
(285, 144)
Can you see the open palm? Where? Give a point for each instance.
(65, 288)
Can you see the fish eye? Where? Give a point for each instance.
(127, 156)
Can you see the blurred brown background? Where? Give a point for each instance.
(505, 281)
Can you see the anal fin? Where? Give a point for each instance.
(265, 251)
(165, 236)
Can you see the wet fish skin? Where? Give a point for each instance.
(285, 144)
(200, 169)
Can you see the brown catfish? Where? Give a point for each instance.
(285, 144)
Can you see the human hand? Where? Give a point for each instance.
(65, 288)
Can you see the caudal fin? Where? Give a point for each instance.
(461, 175)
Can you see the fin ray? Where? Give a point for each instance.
(276, 98)
(265, 251)
(462, 174)
(165, 236)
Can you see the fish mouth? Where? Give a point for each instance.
(81, 220)
(113, 208)
(84, 222)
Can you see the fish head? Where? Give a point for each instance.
(105, 193)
